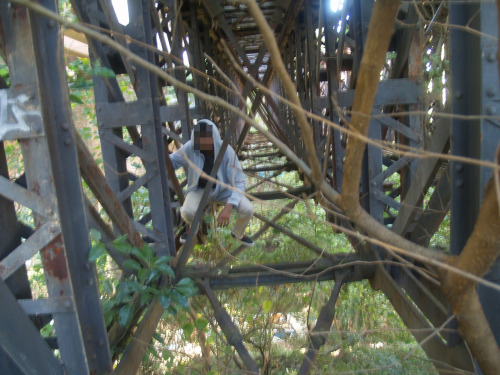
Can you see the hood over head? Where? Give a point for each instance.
(206, 128)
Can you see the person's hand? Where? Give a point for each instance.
(224, 215)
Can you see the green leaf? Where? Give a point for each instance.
(139, 255)
(143, 275)
(167, 355)
(131, 264)
(267, 306)
(153, 276)
(102, 71)
(165, 269)
(107, 286)
(96, 251)
(201, 324)
(149, 252)
(184, 282)
(75, 98)
(125, 314)
(158, 338)
(95, 235)
(146, 298)
(121, 245)
(164, 259)
(179, 299)
(186, 287)
(164, 300)
(187, 328)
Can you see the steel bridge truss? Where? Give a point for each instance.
(224, 47)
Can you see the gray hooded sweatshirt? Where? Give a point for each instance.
(229, 173)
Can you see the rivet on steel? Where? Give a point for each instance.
(490, 110)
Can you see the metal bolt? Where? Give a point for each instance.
(459, 167)
(65, 126)
(459, 94)
(49, 211)
(490, 91)
(490, 110)
(53, 228)
(491, 57)
(91, 282)
(67, 304)
(67, 140)
(101, 342)
(460, 183)
(87, 266)
(51, 23)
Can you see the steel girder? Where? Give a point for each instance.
(476, 133)
(305, 51)
(38, 98)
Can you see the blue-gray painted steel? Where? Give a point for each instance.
(465, 67)
(25, 251)
(59, 130)
(21, 340)
(47, 305)
(474, 92)
(25, 197)
(38, 179)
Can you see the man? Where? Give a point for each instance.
(199, 154)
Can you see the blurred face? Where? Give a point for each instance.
(203, 140)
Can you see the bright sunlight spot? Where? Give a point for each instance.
(121, 10)
(337, 5)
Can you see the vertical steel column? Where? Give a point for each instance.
(24, 81)
(9, 240)
(474, 92)
(152, 140)
(180, 74)
(490, 138)
(361, 15)
(465, 67)
(313, 44)
(331, 21)
(113, 114)
(59, 128)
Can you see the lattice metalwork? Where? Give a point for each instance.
(216, 58)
